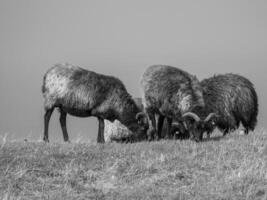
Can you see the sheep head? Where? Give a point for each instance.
(197, 126)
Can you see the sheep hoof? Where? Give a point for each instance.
(46, 140)
(100, 141)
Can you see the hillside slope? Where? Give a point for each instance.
(233, 167)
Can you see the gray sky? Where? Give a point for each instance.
(122, 38)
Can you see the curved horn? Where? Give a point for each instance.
(210, 116)
(192, 115)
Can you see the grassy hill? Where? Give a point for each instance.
(233, 167)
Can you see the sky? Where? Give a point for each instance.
(121, 38)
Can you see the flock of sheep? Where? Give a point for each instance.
(188, 107)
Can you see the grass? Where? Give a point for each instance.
(232, 167)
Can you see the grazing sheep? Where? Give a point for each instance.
(169, 93)
(84, 93)
(234, 100)
(116, 131)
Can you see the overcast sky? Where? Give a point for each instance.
(122, 38)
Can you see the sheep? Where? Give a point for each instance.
(170, 93)
(233, 99)
(82, 93)
(115, 131)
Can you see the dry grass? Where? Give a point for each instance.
(233, 167)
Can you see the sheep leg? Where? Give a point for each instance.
(246, 127)
(152, 127)
(101, 126)
(208, 135)
(169, 124)
(226, 131)
(160, 125)
(62, 119)
(47, 116)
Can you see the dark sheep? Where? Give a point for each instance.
(84, 93)
(234, 100)
(170, 93)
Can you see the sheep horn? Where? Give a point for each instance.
(192, 115)
(209, 117)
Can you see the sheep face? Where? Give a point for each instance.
(179, 131)
(197, 126)
(142, 121)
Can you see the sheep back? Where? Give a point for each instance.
(233, 98)
(85, 93)
(170, 91)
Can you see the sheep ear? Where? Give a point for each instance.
(141, 118)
